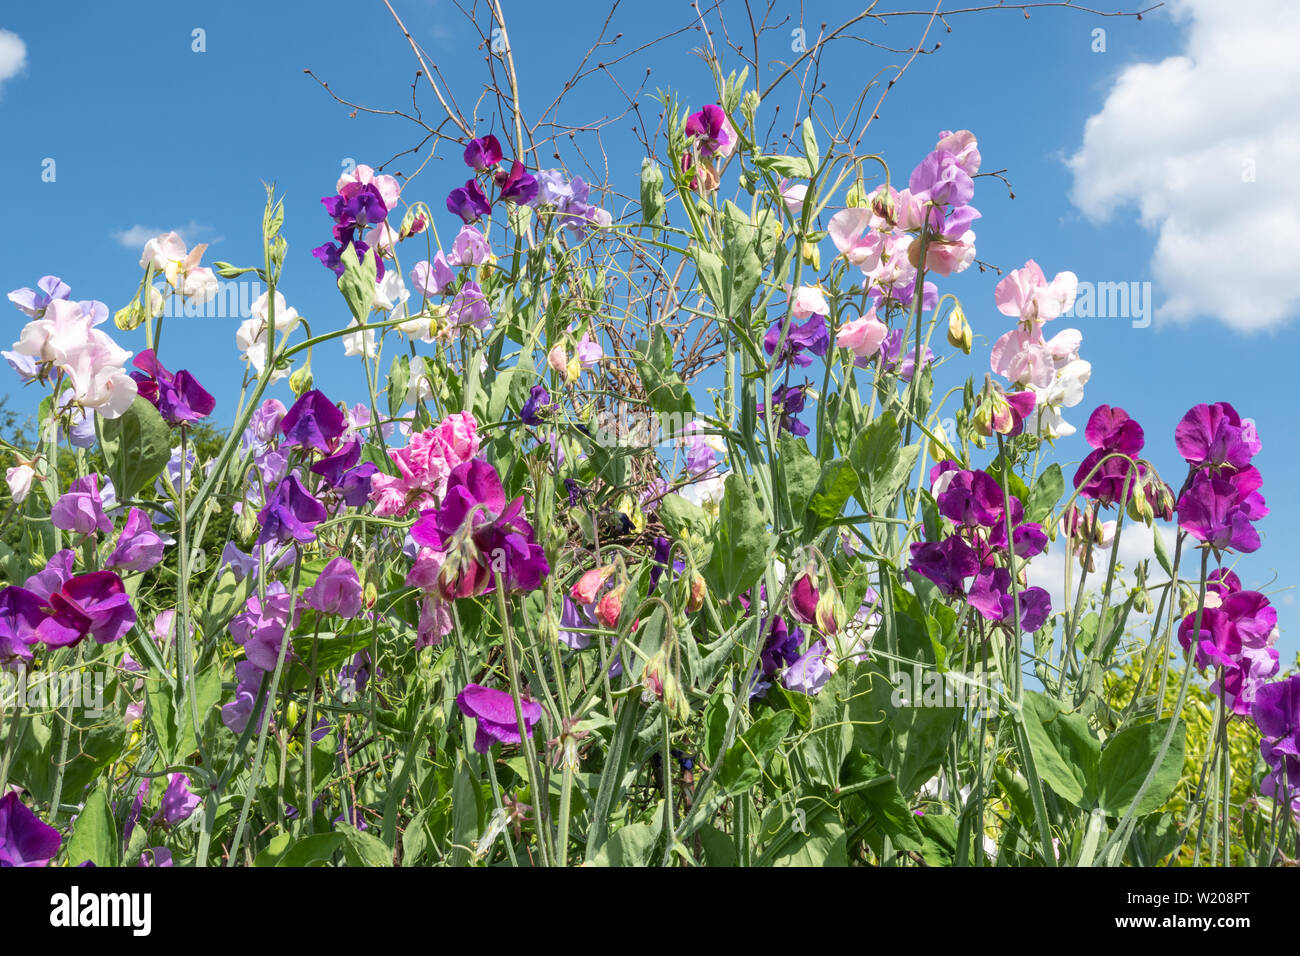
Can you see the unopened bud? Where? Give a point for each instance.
(959, 331)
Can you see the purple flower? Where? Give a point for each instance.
(572, 617)
(354, 485)
(94, 604)
(331, 255)
(313, 422)
(80, 509)
(434, 278)
(789, 400)
(810, 672)
(1217, 641)
(469, 248)
(781, 647)
(990, 595)
(470, 307)
(235, 715)
(712, 130)
(813, 336)
(1277, 713)
(360, 208)
(468, 202)
(480, 532)
(139, 547)
(25, 840)
(33, 302)
(482, 153)
(892, 358)
(333, 467)
(537, 405)
(940, 179)
(57, 570)
(291, 514)
(700, 455)
(1215, 435)
(178, 397)
(494, 712)
(1213, 511)
(262, 626)
(21, 612)
(517, 186)
(337, 590)
(947, 563)
(178, 801)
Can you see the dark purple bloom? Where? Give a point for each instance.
(333, 467)
(482, 153)
(494, 713)
(1277, 713)
(21, 612)
(291, 514)
(360, 208)
(25, 840)
(178, 397)
(468, 202)
(481, 533)
(1110, 432)
(517, 186)
(537, 405)
(990, 594)
(789, 400)
(973, 499)
(781, 647)
(354, 486)
(313, 422)
(947, 563)
(813, 336)
(139, 547)
(94, 604)
(178, 801)
(331, 255)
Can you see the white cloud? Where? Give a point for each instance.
(1204, 144)
(13, 55)
(192, 232)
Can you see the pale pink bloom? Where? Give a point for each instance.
(199, 285)
(1022, 357)
(793, 195)
(382, 237)
(948, 257)
(363, 175)
(961, 144)
(895, 265)
(19, 479)
(168, 255)
(1026, 294)
(862, 335)
(854, 236)
(557, 358)
(807, 301)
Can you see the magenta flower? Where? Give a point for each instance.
(712, 131)
(80, 510)
(517, 186)
(139, 547)
(494, 713)
(483, 153)
(291, 514)
(262, 626)
(178, 397)
(337, 590)
(313, 422)
(1110, 432)
(1215, 435)
(480, 532)
(1213, 511)
(21, 612)
(468, 202)
(25, 840)
(94, 605)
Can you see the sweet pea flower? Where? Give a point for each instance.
(494, 715)
(139, 547)
(362, 176)
(712, 131)
(33, 302)
(80, 509)
(291, 514)
(947, 563)
(251, 337)
(470, 248)
(1026, 294)
(178, 397)
(25, 840)
(483, 153)
(941, 180)
(337, 590)
(19, 479)
(1213, 511)
(21, 612)
(468, 202)
(433, 278)
(1215, 435)
(313, 422)
(852, 230)
(863, 336)
(518, 185)
(94, 605)
(261, 628)
(178, 802)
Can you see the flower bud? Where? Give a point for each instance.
(812, 255)
(959, 330)
(610, 607)
(584, 592)
(855, 197)
(558, 359)
(301, 381)
(882, 205)
(699, 589)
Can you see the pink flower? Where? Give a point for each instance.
(337, 590)
(854, 234)
(963, 146)
(862, 335)
(424, 465)
(459, 432)
(1026, 294)
(807, 301)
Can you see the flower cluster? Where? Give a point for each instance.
(363, 200)
(1237, 632)
(1220, 501)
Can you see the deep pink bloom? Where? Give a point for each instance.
(80, 509)
(178, 397)
(424, 465)
(482, 153)
(94, 605)
(517, 186)
(1212, 510)
(1215, 435)
(712, 131)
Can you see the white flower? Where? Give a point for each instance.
(356, 343)
(706, 494)
(251, 338)
(19, 479)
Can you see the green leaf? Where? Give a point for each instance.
(821, 843)
(681, 517)
(628, 846)
(312, 850)
(664, 388)
(882, 463)
(137, 446)
(792, 167)
(836, 485)
(719, 847)
(1126, 760)
(740, 540)
(801, 472)
(357, 283)
(742, 768)
(1046, 493)
(362, 849)
(810, 143)
(94, 834)
(1065, 751)
(399, 378)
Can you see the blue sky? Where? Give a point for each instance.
(1140, 163)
